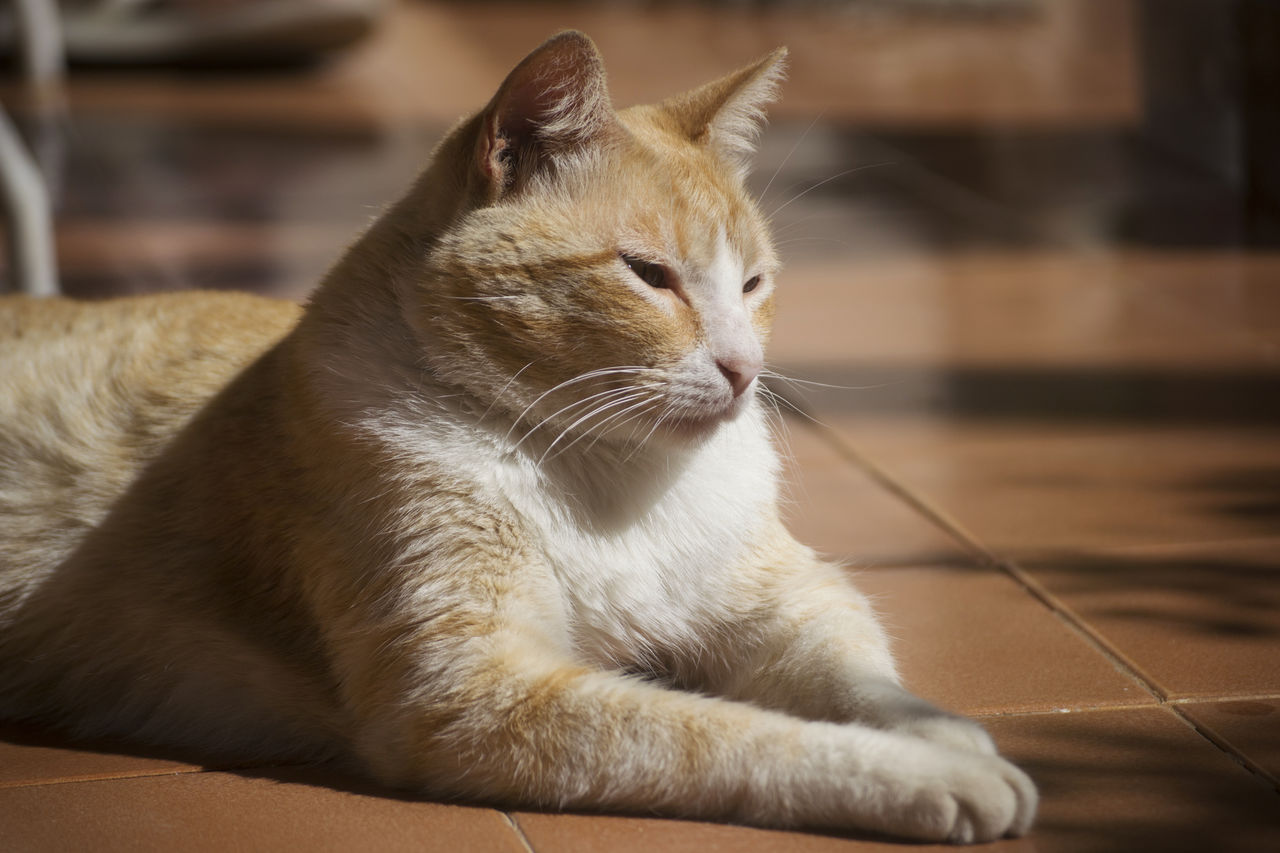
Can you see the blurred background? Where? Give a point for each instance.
(1097, 148)
(1071, 125)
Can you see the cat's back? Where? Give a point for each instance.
(89, 392)
(199, 322)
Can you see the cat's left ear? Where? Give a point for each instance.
(726, 115)
(555, 101)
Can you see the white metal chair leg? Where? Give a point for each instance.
(28, 214)
(40, 40)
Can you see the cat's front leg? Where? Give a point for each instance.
(818, 651)
(512, 722)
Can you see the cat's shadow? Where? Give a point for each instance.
(96, 761)
(329, 776)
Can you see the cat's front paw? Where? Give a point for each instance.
(950, 731)
(929, 792)
(973, 798)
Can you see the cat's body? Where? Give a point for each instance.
(496, 517)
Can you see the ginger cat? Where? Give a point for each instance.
(494, 517)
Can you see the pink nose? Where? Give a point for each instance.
(740, 373)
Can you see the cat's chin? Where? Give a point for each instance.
(698, 426)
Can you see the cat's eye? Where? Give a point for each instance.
(752, 284)
(651, 274)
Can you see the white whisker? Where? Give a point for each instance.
(787, 159)
(504, 389)
(632, 414)
(791, 380)
(823, 183)
(608, 392)
(667, 410)
(626, 401)
(581, 377)
(784, 400)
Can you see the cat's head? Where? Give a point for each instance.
(604, 272)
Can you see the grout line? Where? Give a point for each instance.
(936, 515)
(124, 775)
(1153, 549)
(1063, 712)
(1127, 706)
(112, 777)
(1262, 774)
(1231, 697)
(948, 524)
(1122, 662)
(515, 827)
(1257, 770)
(952, 527)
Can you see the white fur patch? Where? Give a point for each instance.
(654, 579)
(726, 320)
(726, 272)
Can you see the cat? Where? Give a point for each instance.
(495, 517)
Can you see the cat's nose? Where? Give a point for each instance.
(740, 372)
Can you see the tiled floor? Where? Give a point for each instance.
(1053, 456)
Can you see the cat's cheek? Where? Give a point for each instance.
(632, 326)
(762, 317)
(673, 330)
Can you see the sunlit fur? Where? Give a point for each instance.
(491, 518)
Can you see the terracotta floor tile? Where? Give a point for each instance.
(1248, 727)
(288, 809)
(590, 834)
(836, 508)
(1136, 780)
(29, 756)
(973, 641)
(1199, 621)
(1035, 489)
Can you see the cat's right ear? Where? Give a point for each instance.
(726, 115)
(554, 102)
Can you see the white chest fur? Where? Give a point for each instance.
(645, 556)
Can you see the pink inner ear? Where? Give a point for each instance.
(557, 96)
(523, 107)
(489, 151)
(553, 100)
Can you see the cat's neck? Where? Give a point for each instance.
(362, 376)
(609, 486)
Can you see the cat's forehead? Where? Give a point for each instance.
(675, 192)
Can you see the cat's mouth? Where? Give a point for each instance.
(700, 423)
